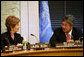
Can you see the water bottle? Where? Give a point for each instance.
(25, 43)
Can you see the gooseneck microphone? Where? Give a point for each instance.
(32, 34)
(35, 37)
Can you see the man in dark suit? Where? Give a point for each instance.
(67, 33)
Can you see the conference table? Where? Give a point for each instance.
(47, 52)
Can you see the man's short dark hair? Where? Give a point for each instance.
(69, 18)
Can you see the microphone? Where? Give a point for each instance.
(34, 36)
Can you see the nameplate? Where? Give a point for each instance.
(39, 45)
(69, 45)
(12, 48)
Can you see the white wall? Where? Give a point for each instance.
(29, 20)
(8, 8)
(24, 18)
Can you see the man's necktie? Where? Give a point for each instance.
(68, 37)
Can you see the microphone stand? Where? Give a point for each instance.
(35, 37)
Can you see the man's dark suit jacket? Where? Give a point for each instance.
(60, 37)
